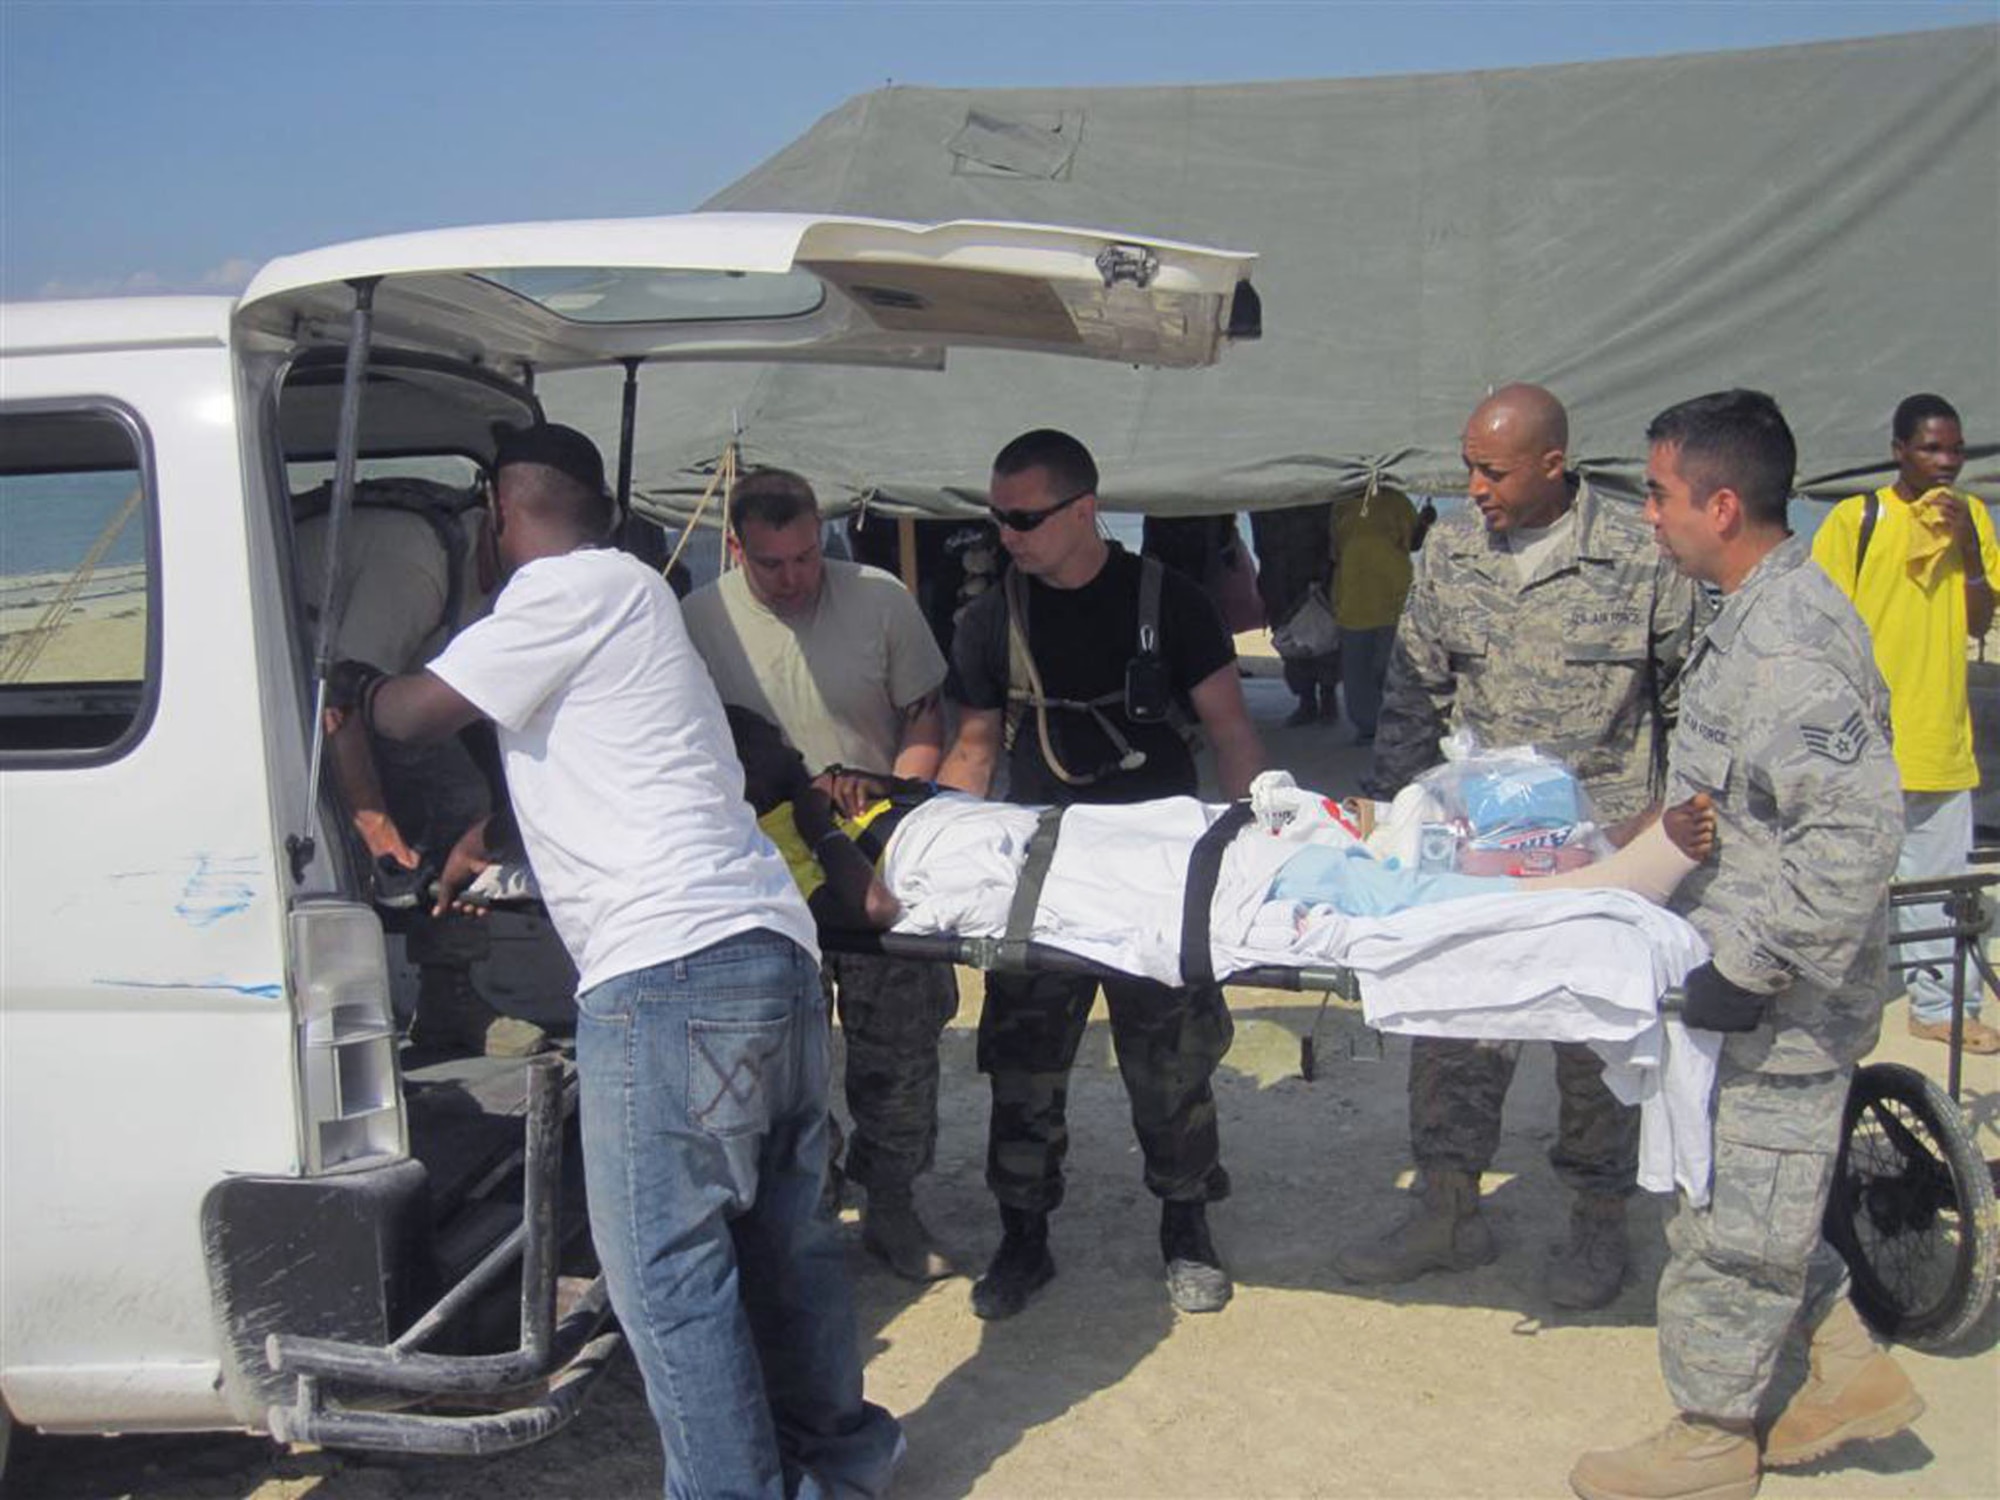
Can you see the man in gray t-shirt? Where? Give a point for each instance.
(839, 657)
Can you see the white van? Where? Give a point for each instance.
(224, 1204)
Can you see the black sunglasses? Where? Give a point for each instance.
(1028, 520)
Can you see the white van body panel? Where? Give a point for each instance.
(147, 1036)
(117, 325)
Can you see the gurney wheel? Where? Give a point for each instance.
(1912, 1209)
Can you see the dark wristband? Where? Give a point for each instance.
(368, 696)
(349, 682)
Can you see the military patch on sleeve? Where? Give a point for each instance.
(1842, 746)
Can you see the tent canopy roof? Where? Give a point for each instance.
(1822, 222)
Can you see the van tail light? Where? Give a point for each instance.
(348, 1078)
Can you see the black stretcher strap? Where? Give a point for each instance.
(1028, 887)
(1204, 865)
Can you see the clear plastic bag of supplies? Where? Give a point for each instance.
(1504, 812)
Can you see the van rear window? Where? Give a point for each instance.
(77, 596)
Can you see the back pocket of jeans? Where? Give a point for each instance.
(736, 1073)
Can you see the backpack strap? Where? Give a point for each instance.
(1151, 573)
(1198, 897)
(1871, 512)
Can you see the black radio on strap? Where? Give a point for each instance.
(1028, 889)
(1204, 865)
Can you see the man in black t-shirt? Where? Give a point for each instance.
(1071, 683)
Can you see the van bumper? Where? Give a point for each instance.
(310, 1275)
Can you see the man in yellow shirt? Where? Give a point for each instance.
(1374, 534)
(1917, 558)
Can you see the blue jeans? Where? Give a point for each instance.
(704, 1099)
(1937, 836)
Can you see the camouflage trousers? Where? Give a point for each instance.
(1168, 1041)
(892, 1012)
(1742, 1270)
(1457, 1089)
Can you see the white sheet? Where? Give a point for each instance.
(1584, 966)
(1569, 966)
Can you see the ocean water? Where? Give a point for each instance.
(48, 522)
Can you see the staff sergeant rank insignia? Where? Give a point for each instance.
(1842, 746)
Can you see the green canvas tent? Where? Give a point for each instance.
(1822, 222)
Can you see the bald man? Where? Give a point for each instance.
(1544, 615)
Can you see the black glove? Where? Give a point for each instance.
(1717, 1003)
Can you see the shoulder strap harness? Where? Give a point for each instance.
(1025, 692)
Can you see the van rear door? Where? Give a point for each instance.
(768, 287)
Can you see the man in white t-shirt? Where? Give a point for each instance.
(840, 658)
(702, 1043)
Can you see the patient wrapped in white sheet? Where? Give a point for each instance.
(1447, 955)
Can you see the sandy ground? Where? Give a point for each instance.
(1462, 1386)
(98, 633)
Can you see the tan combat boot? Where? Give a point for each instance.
(1691, 1458)
(893, 1234)
(1590, 1269)
(1444, 1232)
(1855, 1391)
(453, 1017)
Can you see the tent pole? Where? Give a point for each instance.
(628, 417)
(906, 550)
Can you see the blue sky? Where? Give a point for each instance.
(173, 145)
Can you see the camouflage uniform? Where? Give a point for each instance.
(1785, 722)
(892, 1012)
(1168, 1042)
(1582, 662)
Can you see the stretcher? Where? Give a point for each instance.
(1912, 1209)
(1186, 894)
(985, 954)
